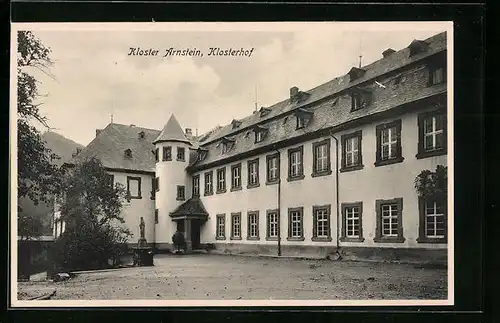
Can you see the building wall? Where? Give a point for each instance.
(366, 185)
(133, 210)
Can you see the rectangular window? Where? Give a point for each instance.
(157, 184)
(356, 101)
(432, 220)
(295, 163)
(389, 220)
(153, 187)
(181, 153)
(295, 224)
(321, 158)
(253, 225)
(157, 154)
(273, 168)
(259, 136)
(432, 134)
(196, 185)
(253, 173)
(235, 177)
(181, 193)
(300, 122)
(389, 143)
(221, 227)
(352, 229)
(321, 223)
(236, 226)
(351, 151)
(134, 187)
(437, 74)
(209, 188)
(221, 180)
(272, 225)
(167, 153)
(156, 216)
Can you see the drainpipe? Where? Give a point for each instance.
(337, 186)
(279, 202)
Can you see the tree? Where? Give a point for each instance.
(90, 206)
(37, 176)
(431, 184)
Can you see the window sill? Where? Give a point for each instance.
(195, 196)
(346, 239)
(295, 239)
(427, 154)
(235, 238)
(316, 239)
(271, 238)
(431, 240)
(233, 189)
(134, 197)
(221, 191)
(208, 194)
(273, 182)
(389, 161)
(296, 178)
(180, 159)
(180, 199)
(253, 238)
(351, 168)
(389, 239)
(220, 238)
(253, 185)
(322, 173)
(167, 159)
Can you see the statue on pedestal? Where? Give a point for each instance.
(142, 240)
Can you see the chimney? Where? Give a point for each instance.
(386, 53)
(189, 131)
(293, 92)
(97, 132)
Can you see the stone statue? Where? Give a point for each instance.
(142, 227)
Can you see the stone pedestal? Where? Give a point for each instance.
(143, 254)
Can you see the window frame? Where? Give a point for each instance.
(154, 183)
(379, 238)
(268, 224)
(422, 153)
(181, 188)
(211, 175)
(235, 215)
(196, 179)
(138, 179)
(217, 235)
(300, 175)
(249, 225)
(233, 186)
(221, 170)
(259, 136)
(300, 210)
(328, 170)
(399, 149)
(157, 155)
(328, 210)
(167, 153)
(344, 138)
(270, 181)
(344, 237)
(422, 236)
(179, 150)
(250, 163)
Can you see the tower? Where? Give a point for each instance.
(172, 148)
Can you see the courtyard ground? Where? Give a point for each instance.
(236, 277)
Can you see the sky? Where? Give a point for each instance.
(93, 77)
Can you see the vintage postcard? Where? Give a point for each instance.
(232, 164)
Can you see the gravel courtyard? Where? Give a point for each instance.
(235, 277)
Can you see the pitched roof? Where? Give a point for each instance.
(110, 144)
(172, 132)
(436, 43)
(193, 206)
(331, 110)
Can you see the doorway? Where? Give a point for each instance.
(195, 234)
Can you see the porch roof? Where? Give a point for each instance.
(191, 208)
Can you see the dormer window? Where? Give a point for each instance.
(202, 154)
(437, 70)
(356, 73)
(264, 111)
(235, 124)
(128, 153)
(417, 46)
(142, 135)
(303, 117)
(298, 96)
(360, 98)
(260, 133)
(227, 144)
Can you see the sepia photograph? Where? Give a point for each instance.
(231, 164)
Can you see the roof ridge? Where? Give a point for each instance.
(127, 125)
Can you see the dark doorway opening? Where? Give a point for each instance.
(195, 233)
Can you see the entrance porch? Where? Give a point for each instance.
(190, 217)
